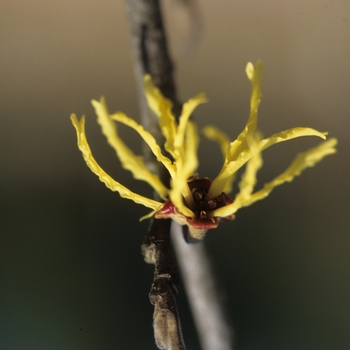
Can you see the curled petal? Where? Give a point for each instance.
(184, 150)
(248, 181)
(176, 195)
(179, 187)
(289, 135)
(149, 215)
(128, 159)
(148, 138)
(190, 150)
(238, 153)
(186, 112)
(186, 166)
(231, 167)
(215, 134)
(246, 185)
(103, 176)
(227, 171)
(303, 160)
(161, 106)
(254, 74)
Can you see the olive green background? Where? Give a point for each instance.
(71, 273)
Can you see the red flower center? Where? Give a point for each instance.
(202, 203)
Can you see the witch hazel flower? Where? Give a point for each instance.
(197, 202)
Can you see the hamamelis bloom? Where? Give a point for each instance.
(197, 202)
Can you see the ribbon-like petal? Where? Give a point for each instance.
(128, 159)
(161, 106)
(302, 161)
(103, 176)
(214, 134)
(148, 138)
(239, 149)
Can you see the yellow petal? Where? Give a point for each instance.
(254, 74)
(190, 150)
(161, 106)
(184, 153)
(186, 112)
(248, 181)
(238, 146)
(103, 176)
(215, 134)
(148, 138)
(180, 192)
(238, 152)
(230, 167)
(128, 159)
(227, 171)
(176, 197)
(303, 160)
(186, 167)
(289, 135)
(149, 215)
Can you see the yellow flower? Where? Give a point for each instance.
(192, 201)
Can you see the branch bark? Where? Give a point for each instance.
(151, 56)
(157, 249)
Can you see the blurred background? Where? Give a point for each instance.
(71, 272)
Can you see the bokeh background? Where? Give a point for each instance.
(71, 273)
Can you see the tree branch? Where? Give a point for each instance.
(156, 249)
(151, 56)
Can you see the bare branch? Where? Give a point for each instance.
(151, 56)
(157, 250)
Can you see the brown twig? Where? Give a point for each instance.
(156, 249)
(151, 56)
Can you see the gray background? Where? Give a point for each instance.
(71, 273)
